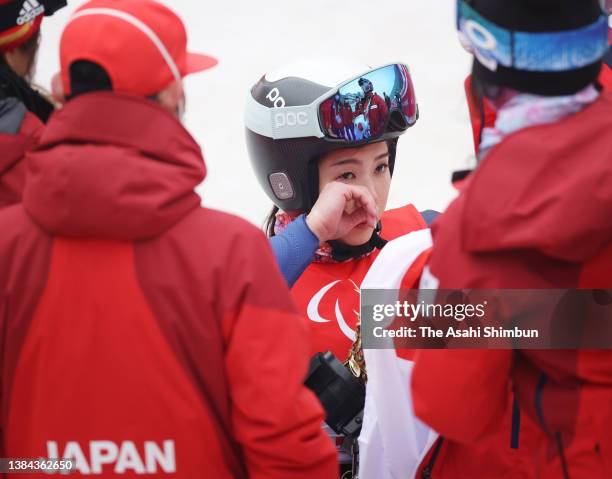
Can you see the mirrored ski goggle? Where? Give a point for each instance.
(360, 109)
(363, 108)
(538, 52)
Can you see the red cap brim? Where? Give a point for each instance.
(197, 62)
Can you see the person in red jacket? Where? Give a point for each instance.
(22, 108)
(373, 106)
(142, 333)
(531, 216)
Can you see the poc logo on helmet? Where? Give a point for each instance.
(282, 119)
(290, 119)
(275, 98)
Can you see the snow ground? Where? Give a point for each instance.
(250, 38)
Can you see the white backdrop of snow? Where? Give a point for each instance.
(250, 38)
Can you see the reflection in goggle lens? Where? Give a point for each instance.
(363, 108)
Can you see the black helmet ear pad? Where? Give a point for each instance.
(291, 160)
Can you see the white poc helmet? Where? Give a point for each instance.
(291, 121)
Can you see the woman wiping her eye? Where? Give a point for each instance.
(322, 139)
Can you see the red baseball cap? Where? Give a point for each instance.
(141, 44)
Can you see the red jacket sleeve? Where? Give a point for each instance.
(462, 394)
(382, 105)
(12, 166)
(275, 418)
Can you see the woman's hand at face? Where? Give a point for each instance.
(339, 209)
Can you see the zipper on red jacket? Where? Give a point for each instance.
(557, 435)
(516, 424)
(426, 474)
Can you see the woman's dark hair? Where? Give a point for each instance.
(477, 92)
(86, 77)
(482, 89)
(29, 48)
(271, 221)
(13, 85)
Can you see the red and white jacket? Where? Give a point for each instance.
(140, 333)
(491, 455)
(328, 293)
(534, 214)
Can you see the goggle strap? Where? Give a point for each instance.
(283, 122)
(286, 122)
(499, 47)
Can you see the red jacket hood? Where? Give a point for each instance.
(13, 147)
(546, 188)
(12, 173)
(112, 166)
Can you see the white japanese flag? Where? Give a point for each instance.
(393, 441)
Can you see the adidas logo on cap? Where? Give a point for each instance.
(29, 11)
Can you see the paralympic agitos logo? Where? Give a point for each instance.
(314, 309)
